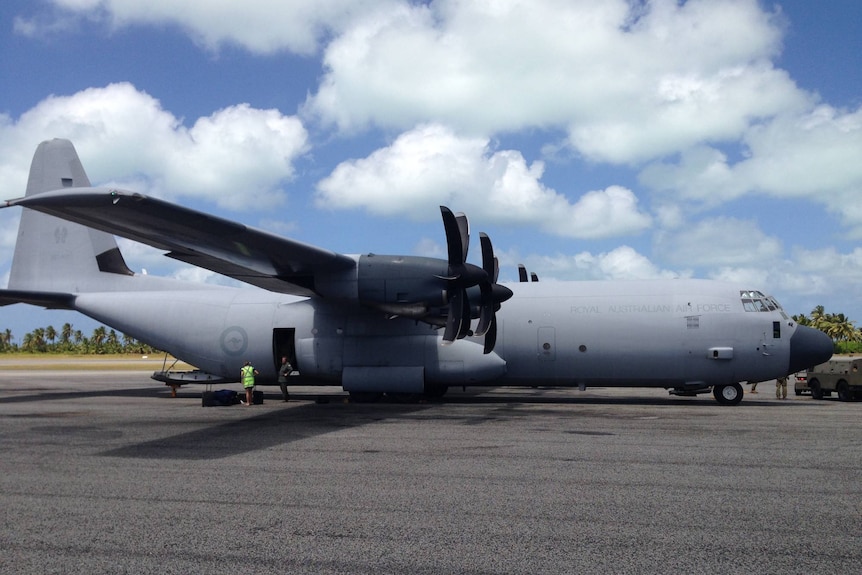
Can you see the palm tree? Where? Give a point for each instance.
(112, 342)
(839, 328)
(37, 339)
(50, 334)
(66, 333)
(130, 344)
(817, 317)
(98, 338)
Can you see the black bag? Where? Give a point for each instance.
(220, 397)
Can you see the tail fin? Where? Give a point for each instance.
(53, 255)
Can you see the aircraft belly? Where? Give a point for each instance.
(184, 324)
(462, 362)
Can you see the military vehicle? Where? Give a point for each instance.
(842, 375)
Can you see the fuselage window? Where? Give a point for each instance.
(776, 330)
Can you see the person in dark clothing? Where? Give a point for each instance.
(283, 373)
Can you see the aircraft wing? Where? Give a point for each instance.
(230, 248)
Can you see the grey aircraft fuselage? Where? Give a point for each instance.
(373, 323)
(669, 333)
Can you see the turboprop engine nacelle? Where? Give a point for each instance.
(448, 293)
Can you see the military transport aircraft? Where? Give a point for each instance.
(382, 324)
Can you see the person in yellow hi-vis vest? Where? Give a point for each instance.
(247, 374)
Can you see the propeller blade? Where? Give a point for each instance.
(491, 336)
(486, 311)
(464, 231)
(489, 263)
(461, 275)
(465, 317)
(534, 277)
(457, 237)
(522, 273)
(488, 260)
(455, 316)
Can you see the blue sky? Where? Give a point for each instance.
(591, 140)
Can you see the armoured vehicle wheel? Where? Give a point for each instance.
(816, 390)
(844, 391)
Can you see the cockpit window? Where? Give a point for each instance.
(753, 300)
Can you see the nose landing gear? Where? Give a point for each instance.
(727, 394)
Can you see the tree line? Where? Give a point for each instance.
(73, 341)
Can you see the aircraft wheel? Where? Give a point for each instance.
(727, 394)
(844, 391)
(816, 390)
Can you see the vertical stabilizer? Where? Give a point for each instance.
(54, 255)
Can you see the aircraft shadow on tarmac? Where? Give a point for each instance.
(262, 431)
(65, 395)
(322, 414)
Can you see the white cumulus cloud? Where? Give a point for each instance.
(814, 155)
(261, 26)
(621, 263)
(628, 81)
(232, 157)
(719, 242)
(430, 165)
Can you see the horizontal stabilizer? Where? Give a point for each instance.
(48, 300)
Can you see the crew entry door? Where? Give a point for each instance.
(283, 344)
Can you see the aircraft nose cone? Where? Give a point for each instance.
(809, 347)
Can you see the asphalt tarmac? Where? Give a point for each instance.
(104, 472)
